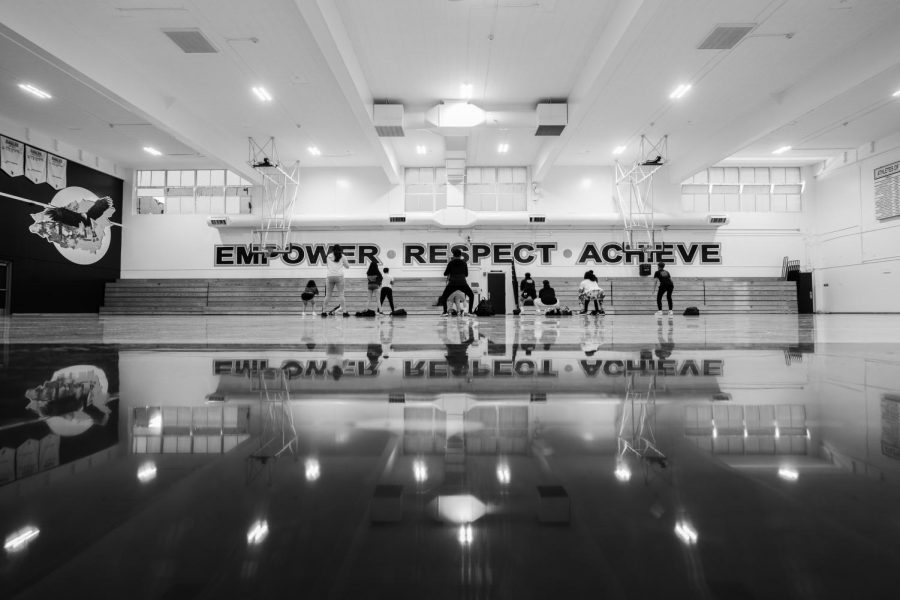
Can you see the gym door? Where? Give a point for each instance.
(5, 279)
(496, 288)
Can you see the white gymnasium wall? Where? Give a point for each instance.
(856, 257)
(182, 246)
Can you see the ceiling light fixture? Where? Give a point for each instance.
(618, 149)
(465, 91)
(781, 150)
(33, 90)
(455, 114)
(503, 148)
(153, 151)
(314, 151)
(896, 94)
(680, 91)
(421, 149)
(262, 94)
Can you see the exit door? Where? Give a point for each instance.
(5, 280)
(496, 285)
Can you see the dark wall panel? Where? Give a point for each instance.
(43, 279)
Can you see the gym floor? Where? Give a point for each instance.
(740, 456)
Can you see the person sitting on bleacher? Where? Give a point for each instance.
(546, 297)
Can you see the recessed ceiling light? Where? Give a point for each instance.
(262, 94)
(153, 151)
(503, 148)
(33, 90)
(421, 149)
(343, 183)
(618, 149)
(781, 150)
(465, 91)
(895, 94)
(680, 91)
(314, 151)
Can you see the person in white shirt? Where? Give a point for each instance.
(590, 290)
(335, 263)
(387, 289)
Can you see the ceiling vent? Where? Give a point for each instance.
(191, 41)
(388, 119)
(398, 219)
(552, 118)
(717, 219)
(396, 398)
(725, 37)
(215, 398)
(537, 219)
(721, 397)
(217, 221)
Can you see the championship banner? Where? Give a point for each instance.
(35, 165)
(12, 156)
(56, 172)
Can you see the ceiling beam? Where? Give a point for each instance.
(877, 53)
(324, 22)
(620, 34)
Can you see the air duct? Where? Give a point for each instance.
(388, 119)
(552, 119)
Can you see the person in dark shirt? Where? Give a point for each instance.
(547, 296)
(456, 273)
(664, 281)
(528, 289)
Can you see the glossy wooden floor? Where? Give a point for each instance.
(742, 329)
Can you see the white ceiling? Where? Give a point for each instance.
(814, 74)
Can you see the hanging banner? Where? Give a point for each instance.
(12, 156)
(35, 165)
(56, 172)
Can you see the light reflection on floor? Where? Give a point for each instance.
(523, 458)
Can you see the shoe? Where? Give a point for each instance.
(658, 313)
(445, 315)
(584, 312)
(324, 314)
(671, 313)
(346, 314)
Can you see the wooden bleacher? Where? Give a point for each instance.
(627, 295)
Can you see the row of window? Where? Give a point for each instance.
(743, 189)
(486, 189)
(193, 192)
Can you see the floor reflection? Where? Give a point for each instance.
(478, 466)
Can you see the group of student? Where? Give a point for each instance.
(335, 263)
(589, 291)
(457, 293)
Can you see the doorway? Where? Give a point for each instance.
(496, 288)
(5, 282)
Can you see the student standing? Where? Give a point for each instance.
(335, 263)
(387, 289)
(374, 278)
(663, 279)
(456, 273)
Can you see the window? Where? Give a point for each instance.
(743, 189)
(496, 189)
(189, 192)
(426, 189)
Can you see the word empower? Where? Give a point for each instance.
(523, 253)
